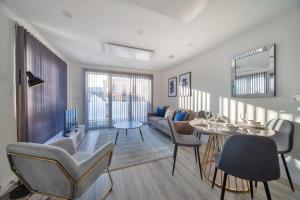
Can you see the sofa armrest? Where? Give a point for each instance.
(98, 161)
(151, 114)
(66, 144)
(183, 127)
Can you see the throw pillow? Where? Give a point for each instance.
(170, 113)
(160, 112)
(180, 116)
(183, 127)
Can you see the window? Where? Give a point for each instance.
(113, 97)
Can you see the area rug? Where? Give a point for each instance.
(131, 150)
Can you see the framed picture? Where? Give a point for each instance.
(172, 87)
(185, 84)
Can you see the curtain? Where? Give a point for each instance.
(40, 110)
(113, 97)
(253, 84)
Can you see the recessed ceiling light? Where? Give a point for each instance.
(171, 56)
(140, 32)
(66, 14)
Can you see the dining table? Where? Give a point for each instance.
(218, 131)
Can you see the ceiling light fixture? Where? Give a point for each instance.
(124, 51)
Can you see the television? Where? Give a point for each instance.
(70, 120)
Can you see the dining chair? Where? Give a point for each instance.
(201, 114)
(186, 141)
(249, 157)
(284, 139)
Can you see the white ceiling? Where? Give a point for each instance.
(95, 22)
(183, 10)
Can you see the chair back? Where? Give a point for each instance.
(201, 114)
(250, 157)
(284, 128)
(172, 129)
(43, 168)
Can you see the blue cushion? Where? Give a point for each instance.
(180, 116)
(160, 112)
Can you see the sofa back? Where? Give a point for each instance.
(191, 113)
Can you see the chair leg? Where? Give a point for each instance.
(117, 137)
(214, 178)
(224, 186)
(174, 156)
(141, 134)
(111, 185)
(111, 181)
(199, 162)
(251, 189)
(287, 172)
(195, 151)
(29, 196)
(126, 131)
(267, 191)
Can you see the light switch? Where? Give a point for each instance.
(296, 97)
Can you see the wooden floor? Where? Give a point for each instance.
(153, 181)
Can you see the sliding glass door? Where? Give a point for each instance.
(97, 104)
(141, 87)
(113, 97)
(120, 97)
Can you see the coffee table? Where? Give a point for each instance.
(128, 125)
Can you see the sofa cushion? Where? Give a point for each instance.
(191, 115)
(183, 127)
(160, 112)
(154, 119)
(170, 112)
(164, 124)
(180, 116)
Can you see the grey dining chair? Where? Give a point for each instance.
(201, 114)
(248, 157)
(58, 170)
(284, 139)
(186, 141)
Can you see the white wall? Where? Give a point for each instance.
(8, 131)
(211, 78)
(76, 85)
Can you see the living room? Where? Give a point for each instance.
(135, 84)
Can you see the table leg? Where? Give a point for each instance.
(141, 134)
(214, 145)
(117, 136)
(126, 132)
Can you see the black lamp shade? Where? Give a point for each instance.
(33, 80)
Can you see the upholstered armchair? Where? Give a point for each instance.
(58, 169)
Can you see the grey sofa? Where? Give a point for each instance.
(58, 169)
(161, 123)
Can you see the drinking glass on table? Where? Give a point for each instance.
(207, 115)
(215, 117)
(244, 118)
